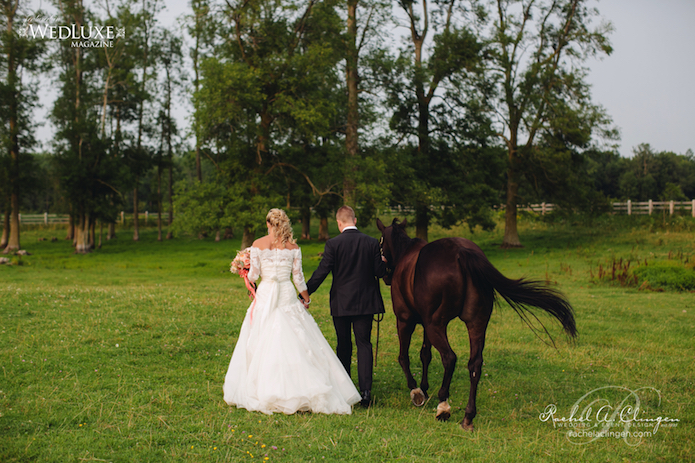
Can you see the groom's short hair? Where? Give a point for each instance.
(345, 214)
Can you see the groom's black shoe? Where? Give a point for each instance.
(366, 399)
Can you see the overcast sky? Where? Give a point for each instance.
(646, 85)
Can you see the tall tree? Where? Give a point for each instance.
(259, 96)
(20, 53)
(538, 50)
(413, 84)
(358, 31)
(87, 170)
(201, 26)
(141, 154)
(170, 59)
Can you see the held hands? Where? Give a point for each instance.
(304, 302)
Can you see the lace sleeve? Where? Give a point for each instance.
(297, 274)
(255, 270)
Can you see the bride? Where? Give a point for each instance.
(282, 362)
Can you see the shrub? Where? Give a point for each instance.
(666, 275)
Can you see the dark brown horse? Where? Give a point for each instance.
(433, 283)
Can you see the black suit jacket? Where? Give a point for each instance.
(355, 261)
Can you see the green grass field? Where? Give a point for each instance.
(120, 356)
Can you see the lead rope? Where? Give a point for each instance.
(378, 318)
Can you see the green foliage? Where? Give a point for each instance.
(666, 275)
(657, 175)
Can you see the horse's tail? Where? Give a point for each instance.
(521, 294)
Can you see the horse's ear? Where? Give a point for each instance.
(404, 223)
(380, 225)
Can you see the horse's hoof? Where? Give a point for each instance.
(443, 411)
(467, 426)
(417, 397)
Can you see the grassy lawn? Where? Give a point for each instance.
(120, 356)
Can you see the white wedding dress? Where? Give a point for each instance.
(282, 362)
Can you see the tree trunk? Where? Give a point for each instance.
(196, 85)
(92, 234)
(170, 235)
(218, 237)
(511, 234)
(136, 212)
(101, 232)
(228, 233)
(247, 238)
(159, 201)
(13, 242)
(351, 129)
(422, 221)
(71, 227)
(323, 229)
(306, 223)
(82, 228)
(111, 233)
(6, 226)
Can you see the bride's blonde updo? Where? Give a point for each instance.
(282, 228)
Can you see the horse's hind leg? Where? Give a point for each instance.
(425, 358)
(438, 338)
(405, 334)
(476, 335)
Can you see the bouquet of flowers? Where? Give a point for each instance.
(241, 263)
(240, 266)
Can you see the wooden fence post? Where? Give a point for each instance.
(671, 208)
(693, 208)
(147, 216)
(629, 207)
(45, 218)
(651, 207)
(122, 218)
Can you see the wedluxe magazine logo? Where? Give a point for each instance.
(612, 412)
(39, 26)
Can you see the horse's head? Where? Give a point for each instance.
(394, 240)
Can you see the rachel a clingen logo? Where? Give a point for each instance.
(611, 411)
(44, 27)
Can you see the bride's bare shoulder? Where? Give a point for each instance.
(262, 243)
(291, 246)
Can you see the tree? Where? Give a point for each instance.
(415, 85)
(171, 58)
(657, 175)
(355, 42)
(202, 28)
(87, 168)
(263, 95)
(140, 154)
(544, 91)
(19, 54)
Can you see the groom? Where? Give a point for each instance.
(355, 261)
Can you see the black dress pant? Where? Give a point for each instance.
(362, 326)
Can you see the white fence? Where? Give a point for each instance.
(629, 207)
(649, 207)
(46, 218)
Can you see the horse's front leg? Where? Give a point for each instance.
(437, 336)
(405, 334)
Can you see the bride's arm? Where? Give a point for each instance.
(255, 268)
(298, 276)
